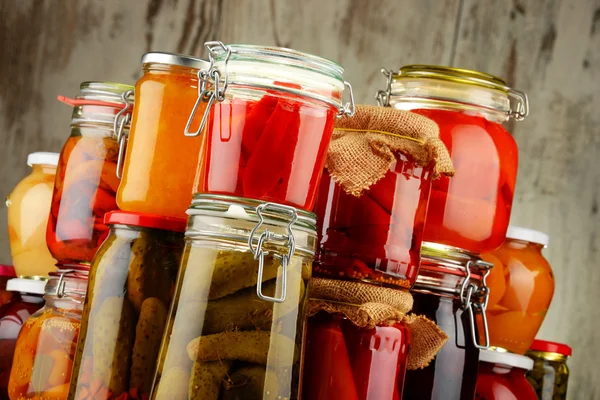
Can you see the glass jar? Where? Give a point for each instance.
(521, 289)
(46, 345)
(86, 180)
(375, 237)
(160, 163)
(26, 300)
(472, 209)
(501, 376)
(550, 374)
(271, 123)
(28, 209)
(6, 272)
(346, 362)
(131, 286)
(236, 327)
(451, 291)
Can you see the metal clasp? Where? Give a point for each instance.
(474, 300)
(61, 292)
(206, 76)
(123, 118)
(348, 108)
(259, 252)
(521, 109)
(383, 96)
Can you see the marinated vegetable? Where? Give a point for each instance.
(131, 284)
(550, 374)
(501, 376)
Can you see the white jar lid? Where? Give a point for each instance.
(24, 285)
(42, 158)
(527, 235)
(507, 359)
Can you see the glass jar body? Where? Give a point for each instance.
(223, 339)
(452, 375)
(84, 190)
(344, 361)
(28, 210)
(267, 146)
(160, 162)
(45, 350)
(500, 382)
(472, 209)
(130, 290)
(521, 289)
(375, 237)
(549, 376)
(12, 317)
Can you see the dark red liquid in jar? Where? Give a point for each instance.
(84, 190)
(344, 362)
(377, 236)
(452, 374)
(471, 210)
(272, 149)
(496, 382)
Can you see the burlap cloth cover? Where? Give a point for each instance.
(368, 305)
(363, 147)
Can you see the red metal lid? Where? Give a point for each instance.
(7, 270)
(551, 347)
(145, 220)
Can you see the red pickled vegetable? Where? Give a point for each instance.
(255, 124)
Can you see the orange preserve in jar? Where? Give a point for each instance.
(472, 209)
(521, 289)
(28, 209)
(160, 162)
(46, 344)
(86, 178)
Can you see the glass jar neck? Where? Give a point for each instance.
(516, 244)
(44, 169)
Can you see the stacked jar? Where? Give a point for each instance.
(501, 376)
(550, 374)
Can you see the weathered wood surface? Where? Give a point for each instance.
(549, 49)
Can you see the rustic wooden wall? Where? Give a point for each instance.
(547, 48)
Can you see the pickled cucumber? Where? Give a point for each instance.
(148, 335)
(247, 383)
(113, 333)
(207, 378)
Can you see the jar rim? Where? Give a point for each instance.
(181, 60)
(281, 55)
(527, 235)
(104, 91)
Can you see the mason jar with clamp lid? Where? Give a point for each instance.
(269, 119)
(46, 345)
(236, 328)
(159, 165)
(472, 209)
(86, 181)
(451, 291)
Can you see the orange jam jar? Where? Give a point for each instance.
(472, 209)
(28, 209)
(46, 344)
(521, 289)
(160, 162)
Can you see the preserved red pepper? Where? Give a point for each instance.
(46, 345)
(501, 376)
(268, 138)
(375, 237)
(26, 300)
(86, 181)
(346, 362)
(472, 209)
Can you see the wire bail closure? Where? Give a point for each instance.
(212, 75)
(123, 118)
(383, 96)
(474, 300)
(61, 292)
(259, 252)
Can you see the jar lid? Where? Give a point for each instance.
(42, 158)
(111, 92)
(175, 59)
(7, 270)
(505, 358)
(551, 347)
(459, 75)
(527, 235)
(26, 285)
(144, 220)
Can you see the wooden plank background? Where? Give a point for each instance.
(547, 48)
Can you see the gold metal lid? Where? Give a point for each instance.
(459, 75)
